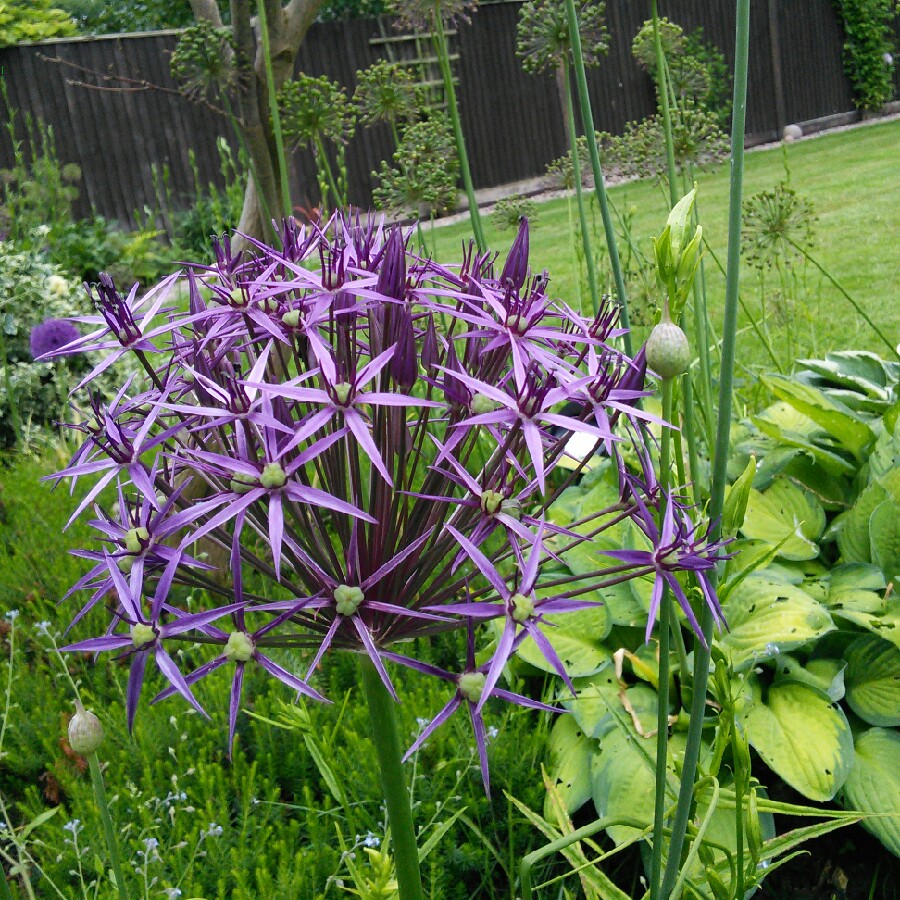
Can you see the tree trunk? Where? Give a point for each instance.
(287, 27)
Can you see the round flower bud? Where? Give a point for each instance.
(481, 404)
(142, 634)
(273, 476)
(471, 685)
(134, 539)
(242, 483)
(668, 351)
(239, 647)
(522, 607)
(291, 318)
(347, 599)
(237, 298)
(85, 731)
(491, 501)
(512, 508)
(342, 392)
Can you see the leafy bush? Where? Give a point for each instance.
(868, 47)
(508, 211)
(696, 68)
(31, 291)
(32, 20)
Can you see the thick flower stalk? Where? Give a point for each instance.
(368, 441)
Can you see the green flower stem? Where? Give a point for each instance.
(687, 388)
(665, 608)
(383, 724)
(443, 55)
(579, 195)
(702, 331)
(276, 117)
(580, 834)
(587, 122)
(108, 830)
(723, 433)
(665, 109)
(325, 168)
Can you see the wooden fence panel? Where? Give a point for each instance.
(122, 139)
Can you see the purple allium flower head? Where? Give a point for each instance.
(341, 445)
(52, 335)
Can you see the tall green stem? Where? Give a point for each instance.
(443, 55)
(108, 831)
(587, 122)
(383, 724)
(664, 108)
(723, 431)
(579, 195)
(273, 104)
(665, 606)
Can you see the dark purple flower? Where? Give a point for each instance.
(52, 335)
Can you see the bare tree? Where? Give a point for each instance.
(287, 27)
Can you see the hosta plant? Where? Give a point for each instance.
(340, 446)
(807, 673)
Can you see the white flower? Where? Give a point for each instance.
(213, 830)
(58, 285)
(370, 840)
(11, 615)
(43, 629)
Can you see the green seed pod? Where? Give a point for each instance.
(668, 351)
(85, 731)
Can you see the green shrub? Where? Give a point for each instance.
(867, 47)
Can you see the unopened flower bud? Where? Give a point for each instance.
(668, 351)
(273, 476)
(522, 607)
(491, 501)
(239, 647)
(85, 731)
(242, 483)
(142, 634)
(342, 392)
(481, 403)
(347, 599)
(515, 271)
(471, 685)
(134, 539)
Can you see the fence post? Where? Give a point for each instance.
(777, 79)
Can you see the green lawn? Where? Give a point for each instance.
(851, 180)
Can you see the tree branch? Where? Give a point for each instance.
(206, 10)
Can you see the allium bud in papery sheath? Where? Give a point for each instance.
(85, 731)
(368, 440)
